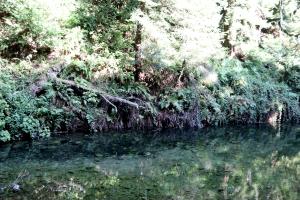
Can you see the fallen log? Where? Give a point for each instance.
(108, 98)
(52, 75)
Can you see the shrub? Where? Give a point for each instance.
(25, 32)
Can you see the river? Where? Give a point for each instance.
(240, 162)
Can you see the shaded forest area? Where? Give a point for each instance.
(99, 65)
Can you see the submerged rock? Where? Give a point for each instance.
(15, 187)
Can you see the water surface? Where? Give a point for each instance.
(216, 163)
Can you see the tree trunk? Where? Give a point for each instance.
(225, 25)
(138, 47)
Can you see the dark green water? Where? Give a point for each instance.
(222, 163)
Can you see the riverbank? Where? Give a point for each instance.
(49, 101)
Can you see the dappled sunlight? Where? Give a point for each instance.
(210, 78)
(179, 35)
(58, 10)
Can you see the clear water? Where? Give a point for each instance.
(221, 163)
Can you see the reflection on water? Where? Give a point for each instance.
(221, 163)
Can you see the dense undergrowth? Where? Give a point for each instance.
(102, 65)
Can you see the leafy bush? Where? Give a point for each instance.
(293, 78)
(246, 92)
(106, 22)
(4, 136)
(177, 100)
(24, 31)
(21, 114)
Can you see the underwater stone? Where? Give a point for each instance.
(15, 187)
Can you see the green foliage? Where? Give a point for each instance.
(135, 89)
(22, 115)
(183, 60)
(4, 136)
(25, 32)
(106, 22)
(293, 78)
(246, 93)
(78, 68)
(177, 100)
